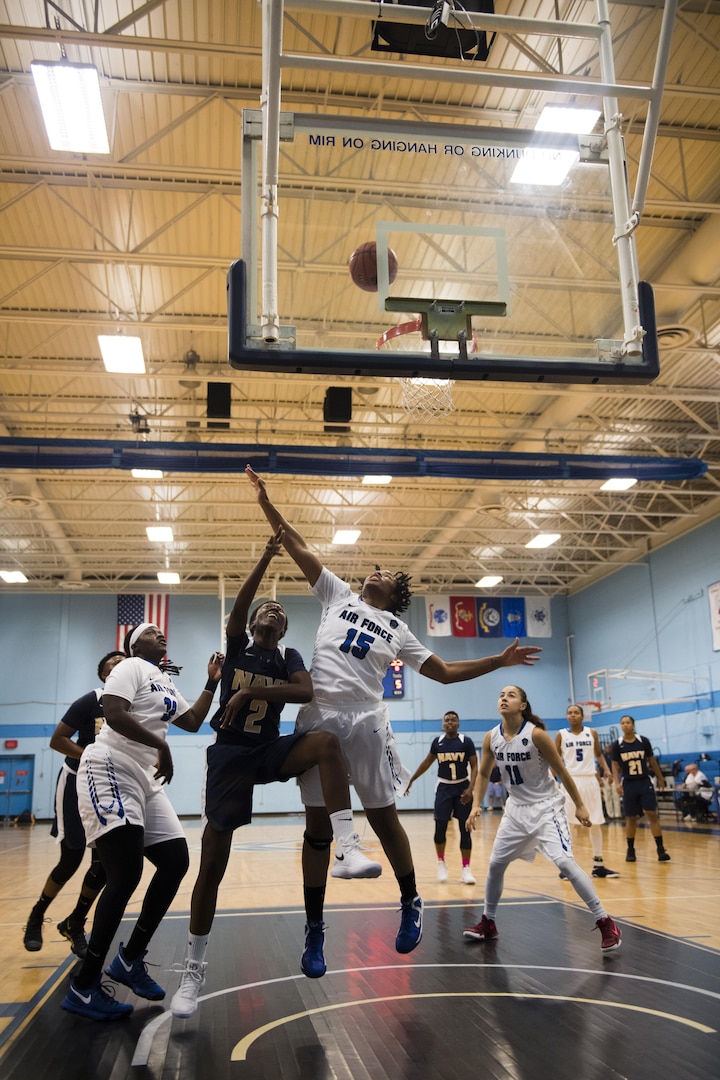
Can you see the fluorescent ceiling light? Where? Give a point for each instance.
(168, 577)
(565, 119)
(617, 483)
(13, 577)
(346, 536)
(159, 533)
(147, 474)
(377, 479)
(71, 106)
(543, 540)
(488, 581)
(121, 354)
(548, 168)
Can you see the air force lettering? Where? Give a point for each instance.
(578, 752)
(356, 644)
(524, 771)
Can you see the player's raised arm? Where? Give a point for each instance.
(453, 671)
(292, 541)
(246, 594)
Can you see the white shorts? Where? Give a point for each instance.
(529, 827)
(591, 795)
(369, 749)
(114, 789)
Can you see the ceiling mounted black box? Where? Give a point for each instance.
(449, 42)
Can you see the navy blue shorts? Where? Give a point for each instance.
(233, 771)
(637, 796)
(447, 802)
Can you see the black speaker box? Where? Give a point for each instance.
(448, 41)
(218, 400)
(337, 407)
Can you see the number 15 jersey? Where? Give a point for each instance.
(525, 772)
(355, 645)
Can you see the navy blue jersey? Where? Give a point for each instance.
(632, 756)
(86, 717)
(248, 664)
(453, 757)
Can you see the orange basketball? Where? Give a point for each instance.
(363, 266)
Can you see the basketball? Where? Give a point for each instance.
(363, 266)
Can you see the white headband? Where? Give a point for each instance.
(140, 630)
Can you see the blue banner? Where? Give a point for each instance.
(513, 617)
(489, 616)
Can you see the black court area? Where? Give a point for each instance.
(541, 1002)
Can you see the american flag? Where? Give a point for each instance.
(137, 608)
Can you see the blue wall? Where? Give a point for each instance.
(653, 616)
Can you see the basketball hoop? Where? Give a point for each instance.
(592, 704)
(422, 398)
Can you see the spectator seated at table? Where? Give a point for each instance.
(695, 794)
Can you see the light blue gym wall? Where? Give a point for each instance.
(653, 617)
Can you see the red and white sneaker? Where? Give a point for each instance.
(485, 930)
(611, 936)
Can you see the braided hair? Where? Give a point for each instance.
(402, 595)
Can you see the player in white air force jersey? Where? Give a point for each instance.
(534, 818)
(579, 747)
(359, 637)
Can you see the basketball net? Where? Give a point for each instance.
(422, 398)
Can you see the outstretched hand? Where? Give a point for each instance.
(520, 654)
(275, 544)
(257, 482)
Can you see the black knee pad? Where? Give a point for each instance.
(70, 859)
(316, 843)
(440, 832)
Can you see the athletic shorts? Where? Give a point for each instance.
(231, 773)
(591, 795)
(529, 827)
(495, 791)
(67, 825)
(368, 745)
(638, 795)
(448, 803)
(114, 789)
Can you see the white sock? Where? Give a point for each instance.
(197, 947)
(596, 841)
(342, 824)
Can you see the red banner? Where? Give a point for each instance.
(462, 616)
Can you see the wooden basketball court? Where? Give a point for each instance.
(540, 1002)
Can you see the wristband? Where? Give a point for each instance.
(211, 686)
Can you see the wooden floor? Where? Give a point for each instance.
(540, 1002)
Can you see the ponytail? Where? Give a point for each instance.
(528, 714)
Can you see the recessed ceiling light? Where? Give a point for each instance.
(71, 106)
(617, 483)
(346, 536)
(543, 540)
(122, 354)
(379, 479)
(488, 581)
(13, 577)
(544, 166)
(168, 577)
(147, 474)
(159, 533)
